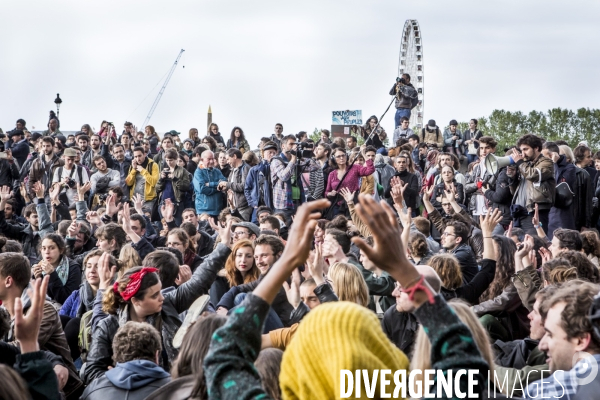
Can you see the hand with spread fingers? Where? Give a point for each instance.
(224, 232)
(27, 327)
(388, 252)
(105, 271)
(292, 290)
(301, 235)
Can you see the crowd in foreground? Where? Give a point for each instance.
(146, 267)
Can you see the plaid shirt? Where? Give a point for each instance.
(281, 177)
(563, 384)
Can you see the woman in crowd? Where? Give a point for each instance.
(349, 173)
(237, 140)
(348, 283)
(561, 213)
(87, 129)
(448, 184)
(128, 258)
(213, 132)
(501, 311)
(65, 274)
(82, 300)
(137, 296)
(373, 140)
(193, 135)
(152, 138)
(240, 267)
(179, 239)
(320, 232)
(418, 249)
(210, 142)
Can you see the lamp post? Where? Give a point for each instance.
(58, 102)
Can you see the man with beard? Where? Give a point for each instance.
(43, 167)
(258, 188)
(143, 177)
(118, 162)
(69, 176)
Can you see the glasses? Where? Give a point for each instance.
(448, 234)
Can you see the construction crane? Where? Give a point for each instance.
(162, 90)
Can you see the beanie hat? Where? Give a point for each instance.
(335, 336)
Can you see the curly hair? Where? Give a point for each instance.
(577, 296)
(136, 341)
(448, 269)
(234, 277)
(112, 301)
(505, 267)
(586, 270)
(591, 243)
(417, 245)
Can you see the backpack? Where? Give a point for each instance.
(85, 334)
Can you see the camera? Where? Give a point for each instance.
(303, 150)
(71, 183)
(167, 170)
(103, 196)
(401, 80)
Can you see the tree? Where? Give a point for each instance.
(555, 124)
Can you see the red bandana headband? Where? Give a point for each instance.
(135, 281)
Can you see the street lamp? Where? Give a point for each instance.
(57, 101)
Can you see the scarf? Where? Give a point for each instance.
(63, 270)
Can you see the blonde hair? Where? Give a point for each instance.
(566, 150)
(421, 357)
(448, 269)
(349, 284)
(129, 258)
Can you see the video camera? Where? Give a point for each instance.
(303, 150)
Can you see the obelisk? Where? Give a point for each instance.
(209, 117)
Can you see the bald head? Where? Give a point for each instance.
(430, 276)
(208, 159)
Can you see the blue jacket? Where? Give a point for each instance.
(71, 305)
(20, 151)
(257, 173)
(208, 199)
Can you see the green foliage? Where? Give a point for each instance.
(315, 135)
(556, 124)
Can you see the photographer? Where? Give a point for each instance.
(288, 192)
(173, 182)
(406, 98)
(236, 182)
(104, 179)
(479, 178)
(68, 176)
(452, 139)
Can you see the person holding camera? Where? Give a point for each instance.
(406, 98)
(103, 179)
(452, 138)
(236, 182)
(288, 191)
(174, 181)
(69, 176)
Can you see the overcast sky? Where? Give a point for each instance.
(261, 62)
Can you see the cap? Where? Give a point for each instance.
(174, 133)
(16, 132)
(35, 136)
(70, 152)
(248, 225)
(270, 145)
(453, 122)
(190, 141)
(431, 123)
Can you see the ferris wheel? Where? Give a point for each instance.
(411, 62)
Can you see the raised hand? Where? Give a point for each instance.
(388, 252)
(167, 210)
(301, 235)
(82, 190)
(111, 205)
(55, 191)
(93, 218)
(546, 254)
(39, 190)
(489, 221)
(27, 327)
(316, 266)
(138, 203)
(405, 218)
(292, 291)
(5, 193)
(127, 225)
(105, 271)
(347, 194)
(224, 232)
(185, 274)
(73, 230)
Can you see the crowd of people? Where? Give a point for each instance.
(144, 266)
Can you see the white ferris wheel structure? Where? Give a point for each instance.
(411, 62)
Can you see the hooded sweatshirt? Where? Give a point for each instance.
(130, 380)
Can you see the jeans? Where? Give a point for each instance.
(472, 158)
(401, 112)
(271, 323)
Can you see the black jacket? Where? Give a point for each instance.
(501, 197)
(471, 291)
(467, 261)
(175, 302)
(412, 190)
(401, 328)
